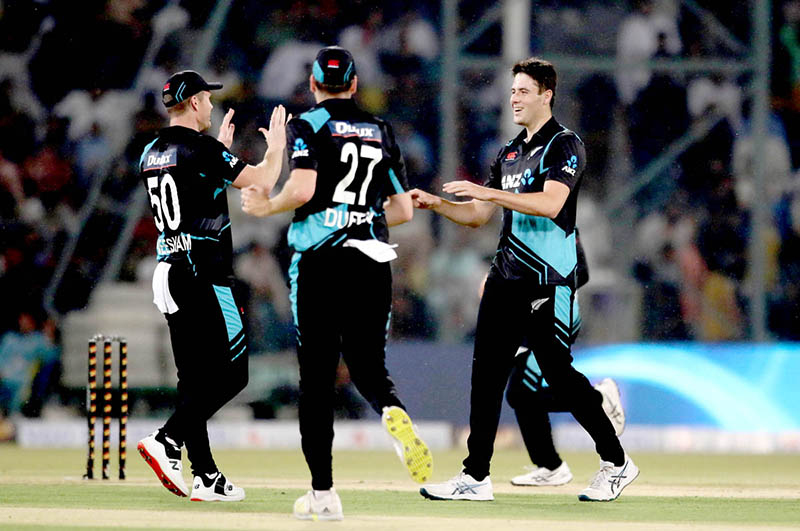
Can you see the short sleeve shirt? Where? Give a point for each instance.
(186, 174)
(358, 165)
(536, 248)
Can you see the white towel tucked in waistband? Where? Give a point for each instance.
(375, 249)
(161, 295)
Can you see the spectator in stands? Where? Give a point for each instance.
(29, 361)
(638, 40)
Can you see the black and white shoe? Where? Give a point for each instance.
(164, 457)
(215, 487)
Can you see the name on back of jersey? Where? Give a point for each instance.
(365, 131)
(159, 161)
(173, 244)
(342, 218)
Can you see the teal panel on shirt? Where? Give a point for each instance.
(316, 118)
(547, 240)
(313, 229)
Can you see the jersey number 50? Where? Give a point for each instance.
(350, 152)
(160, 197)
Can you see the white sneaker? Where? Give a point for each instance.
(319, 505)
(609, 481)
(544, 477)
(215, 487)
(461, 487)
(612, 405)
(411, 449)
(164, 457)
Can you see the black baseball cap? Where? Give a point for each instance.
(334, 66)
(183, 85)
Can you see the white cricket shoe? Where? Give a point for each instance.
(164, 457)
(609, 481)
(544, 477)
(215, 487)
(612, 404)
(319, 505)
(461, 487)
(411, 449)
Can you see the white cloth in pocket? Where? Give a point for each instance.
(375, 249)
(161, 295)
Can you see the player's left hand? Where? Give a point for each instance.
(276, 134)
(226, 130)
(255, 201)
(467, 189)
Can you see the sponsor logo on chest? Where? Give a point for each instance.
(515, 180)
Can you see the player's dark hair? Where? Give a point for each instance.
(541, 71)
(333, 89)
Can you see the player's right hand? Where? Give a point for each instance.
(255, 201)
(276, 134)
(424, 200)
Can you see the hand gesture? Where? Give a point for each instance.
(226, 130)
(467, 189)
(276, 134)
(255, 201)
(423, 200)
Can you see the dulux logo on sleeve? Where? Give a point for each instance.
(300, 149)
(157, 161)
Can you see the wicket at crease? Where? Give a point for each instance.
(91, 402)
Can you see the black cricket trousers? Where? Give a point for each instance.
(209, 343)
(341, 300)
(511, 311)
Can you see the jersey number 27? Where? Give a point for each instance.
(160, 198)
(350, 154)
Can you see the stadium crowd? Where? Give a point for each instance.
(80, 89)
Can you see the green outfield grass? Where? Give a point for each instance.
(42, 489)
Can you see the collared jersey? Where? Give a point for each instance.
(185, 174)
(536, 248)
(358, 165)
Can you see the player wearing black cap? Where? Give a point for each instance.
(347, 186)
(186, 174)
(529, 293)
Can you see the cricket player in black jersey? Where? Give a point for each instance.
(530, 289)
(186, 174)
(347, 186)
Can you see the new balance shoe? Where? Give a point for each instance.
(609, 481)
(411, 449)
(215, 487)
(319, 505)
(164, 457)
(461, 487)
(612, 404)
(544, 477)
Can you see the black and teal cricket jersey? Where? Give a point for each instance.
(535, 248)
(358, 167)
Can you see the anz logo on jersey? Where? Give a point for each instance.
(571, 165)
(300, 148)
(516, 180)
(230, 159)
